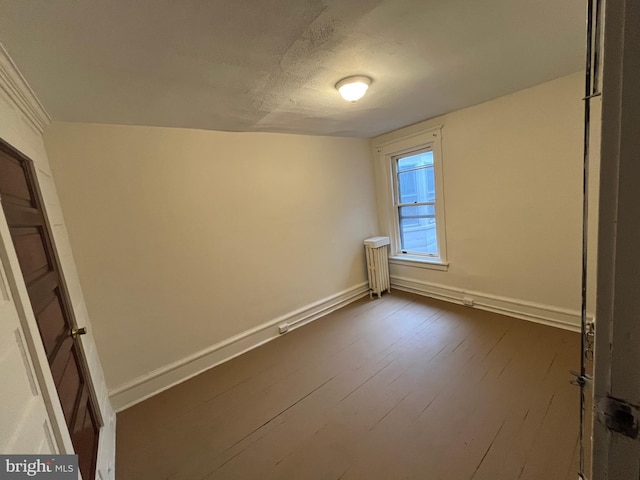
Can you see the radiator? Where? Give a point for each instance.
(377, 265)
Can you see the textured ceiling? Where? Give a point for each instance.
(271, 65)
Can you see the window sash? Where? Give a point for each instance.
(416, 204)
(412, 169)
(398, 205)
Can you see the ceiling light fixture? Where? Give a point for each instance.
(353, 89)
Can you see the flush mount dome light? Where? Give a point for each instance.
(353, 89)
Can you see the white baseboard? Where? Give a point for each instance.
(534, 312)
(150, 384)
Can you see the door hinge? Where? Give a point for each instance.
(589, 340)
(619, 416)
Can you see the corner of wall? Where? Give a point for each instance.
(161, 379)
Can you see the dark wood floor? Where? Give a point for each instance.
(398, 388)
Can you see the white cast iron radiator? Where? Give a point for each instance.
(377, 265)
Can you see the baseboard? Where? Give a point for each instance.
(534, 312)
(150, 384)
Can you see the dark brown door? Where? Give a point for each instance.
(22, 205)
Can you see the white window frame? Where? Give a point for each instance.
(387, 153)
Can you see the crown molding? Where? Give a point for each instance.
(20, 93)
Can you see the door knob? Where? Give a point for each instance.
(78, 331)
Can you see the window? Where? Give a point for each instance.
(416, 203)
(415, 199)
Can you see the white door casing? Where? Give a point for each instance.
(616, 440)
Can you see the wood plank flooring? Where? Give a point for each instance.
(404, 387)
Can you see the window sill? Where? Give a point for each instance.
(419, 262)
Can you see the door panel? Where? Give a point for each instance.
(70, 386)
(53, 330)
(13, 182)
(34, 248)
(30, 249)
(60, 360)
(85, 434)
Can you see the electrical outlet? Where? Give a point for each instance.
(468, 301)
(284, 328)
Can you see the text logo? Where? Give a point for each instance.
(50, 467)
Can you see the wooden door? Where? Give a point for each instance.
(23, 208)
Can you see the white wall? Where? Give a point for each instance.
(513, 201)
(185, 239)
(31, 418)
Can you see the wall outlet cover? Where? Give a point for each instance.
(468, 301)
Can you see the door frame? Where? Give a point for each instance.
(31, 332)
(616, 453)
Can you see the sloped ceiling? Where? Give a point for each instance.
(271, 65)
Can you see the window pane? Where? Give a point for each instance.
(417, 186)
(423, 159)
(418, 229)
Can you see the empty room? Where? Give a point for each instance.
(317, 240)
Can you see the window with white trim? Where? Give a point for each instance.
(415, 202)
(415, 199)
